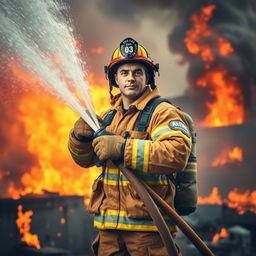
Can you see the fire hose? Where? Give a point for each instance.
(140, 187)
(154, 211)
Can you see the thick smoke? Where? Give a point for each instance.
(233, 20)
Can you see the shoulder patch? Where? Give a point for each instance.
(178, 125)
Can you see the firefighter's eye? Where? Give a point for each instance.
(138, 72)
(123, 72)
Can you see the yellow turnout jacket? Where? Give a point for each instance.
(161, 150)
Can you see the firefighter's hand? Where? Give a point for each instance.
(108, 147)
(83, 130)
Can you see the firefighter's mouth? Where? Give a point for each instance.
(131, 86)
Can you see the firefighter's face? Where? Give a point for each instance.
(131, 79)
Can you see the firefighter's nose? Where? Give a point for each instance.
(130, 76)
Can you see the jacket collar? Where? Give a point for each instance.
(140, 103)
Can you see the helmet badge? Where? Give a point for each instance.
(128, 47)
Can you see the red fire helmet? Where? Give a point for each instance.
(130, 51)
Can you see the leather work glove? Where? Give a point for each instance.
(82, 131)
(109, 147)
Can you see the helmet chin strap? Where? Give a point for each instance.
(110, 90)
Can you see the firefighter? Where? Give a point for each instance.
(125, 227)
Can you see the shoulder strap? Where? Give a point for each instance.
(143, 118)
(146, 114)
(108, 118)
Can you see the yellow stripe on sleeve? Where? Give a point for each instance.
(146, 156)
(134, 153)
(165, 134)
(158, 129)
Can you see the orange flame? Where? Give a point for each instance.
(223, 234)
(23, 222)
(213, 198)
(229, 156)
(195, 37)
(225, 48)
(47, 124)
(227, 106)
(242, 202)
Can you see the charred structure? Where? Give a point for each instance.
(61, 223)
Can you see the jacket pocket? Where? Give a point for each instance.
(97, 196)
(135, 207)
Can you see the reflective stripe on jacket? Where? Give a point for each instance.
(162, 149)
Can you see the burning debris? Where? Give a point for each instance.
(242, 202)
(23, 223)
(223, 234)
(42, 220)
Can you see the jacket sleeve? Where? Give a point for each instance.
(81, 152)
(169, 148)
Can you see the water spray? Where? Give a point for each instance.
(37, 33)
